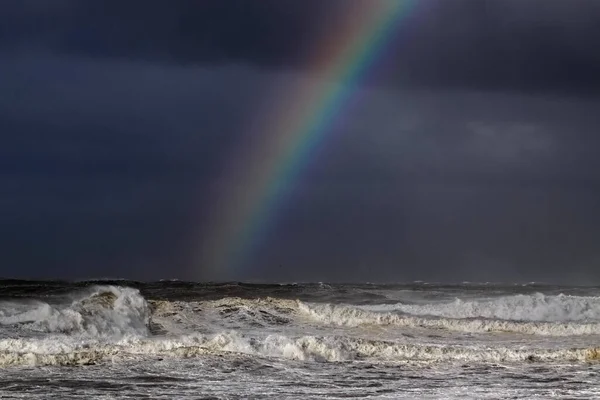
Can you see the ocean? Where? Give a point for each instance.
(180, 340)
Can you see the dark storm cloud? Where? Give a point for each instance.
(536, 45)
(454, 185)
(103, 165)
(108, 169)
(132, 113)
(270, 32)
(118, 118)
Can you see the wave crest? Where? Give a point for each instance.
(535, 307)
(344, 315)
(98, 311)
(303, 348)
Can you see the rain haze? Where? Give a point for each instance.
(467, 152)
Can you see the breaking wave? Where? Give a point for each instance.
(534, 307)
(97, 311)
(344, 315)
(477, 317)
(110, 323)
(303, 348)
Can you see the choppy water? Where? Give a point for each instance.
(191, 341)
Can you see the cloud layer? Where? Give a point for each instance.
(108, 167)
(537, 45)
(471, 155)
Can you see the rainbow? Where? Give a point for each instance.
(269, 164)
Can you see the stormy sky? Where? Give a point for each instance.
(470, 154)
